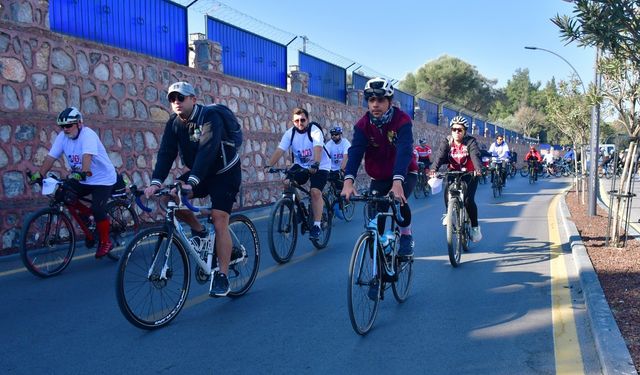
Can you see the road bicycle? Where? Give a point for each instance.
(458, 222)
(154, 273)
(512, 169)
(496, 177)
(332, 192)
(422, 189)
(293, 208)
(375, 266)
(532, 170)
(48, 239)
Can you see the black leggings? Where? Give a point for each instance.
(469, 200)
(99, 196)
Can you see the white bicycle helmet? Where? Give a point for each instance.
(459, 120)
(378, 87)
(70, 115)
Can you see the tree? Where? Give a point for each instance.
(528, 120)
(518, 92)
(454, 80)
(611, 25)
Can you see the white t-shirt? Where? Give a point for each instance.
(102, 170)
(302, 147)
(548, 157)
(337, 151)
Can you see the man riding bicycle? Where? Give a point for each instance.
(197, 133)
(383, 137)
(500, 152)
(534, 157)
(424, 154)
(306, 142)
(460, 152)
(91, 171)
(338, 149)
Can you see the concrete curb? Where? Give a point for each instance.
(611, 347)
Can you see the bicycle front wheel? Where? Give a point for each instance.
(153, 280)
(524, 172)
(419, 191)
(124, 224)
(348, 209)
(454, 230)
(325, 224)
(47, 242)
(283, 230)
(245, 255)
(364, 283)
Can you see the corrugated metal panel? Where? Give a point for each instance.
(154, 27)
(359, 81)
(406, 101)
(249, 56)
(492, 130)
(325, 79)
(431, 109)
(448, 114)
(481, 126)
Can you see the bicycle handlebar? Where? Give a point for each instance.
(390, 199)
(184, 199)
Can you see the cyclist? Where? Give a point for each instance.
(91, 171)
(533, 156)
(383, 137)
(460, 152)
(500, 151)
(197, 133)
(548, 159)
(338, 150)
(306, 142)
(569, 155)
(424, 154)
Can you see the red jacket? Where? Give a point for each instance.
(533, 155)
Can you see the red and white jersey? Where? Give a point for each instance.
(423, 152)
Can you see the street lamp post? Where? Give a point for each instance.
(563, 59)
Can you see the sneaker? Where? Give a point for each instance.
(373, 290)
(104, 248)
(445, 220)
(337, 211)
(315, 232)
(476, 234)
(219, 285)
(406, 245)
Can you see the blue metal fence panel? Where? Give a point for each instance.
(431, 109)
(325, 79)
(359, 81)
(492, 130)
(249, 56)
(154, 27)
(406, 101)
(480, 126)
(448, 114)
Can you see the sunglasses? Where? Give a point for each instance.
(457, 130)
(66, 126)
(176, 96)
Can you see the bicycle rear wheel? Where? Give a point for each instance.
(363, 280)
(454, 230)
(325, 224)
(47, 242)
(404, 269)
(283, 230)
(245, 255)
(146, 298)
(124, 224)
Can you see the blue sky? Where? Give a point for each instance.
(399, 36)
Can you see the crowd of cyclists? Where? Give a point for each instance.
(382, 141)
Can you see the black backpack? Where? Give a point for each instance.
(232, 127)
(311, 124)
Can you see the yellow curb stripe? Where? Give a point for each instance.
(568, 356)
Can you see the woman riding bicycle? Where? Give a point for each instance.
(460, 152)
(533, 156)
(91, 171)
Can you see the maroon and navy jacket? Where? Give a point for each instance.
(387, 150)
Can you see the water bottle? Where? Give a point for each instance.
(388, 239)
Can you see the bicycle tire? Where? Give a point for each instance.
(47, 242)
(348, 209)
(466, 229)
(532, 178)
(419, 191)
(124, 223)
(495, 187)
(400, 287)
(524, 172)
(283, 230)
(245, 260)
(146, 301)
(453, 230)
(513, 172)
(325, 224)
(362, 309)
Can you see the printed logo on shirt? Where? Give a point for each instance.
(305, 155)
(392, 136)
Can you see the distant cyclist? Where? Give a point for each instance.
(338, 149)
(500, 151)
(533, 156)
(384, 139)
(459, 152)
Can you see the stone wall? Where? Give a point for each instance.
(123, 97)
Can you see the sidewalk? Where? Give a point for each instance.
(611, 348)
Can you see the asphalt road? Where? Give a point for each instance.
(510, 308)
